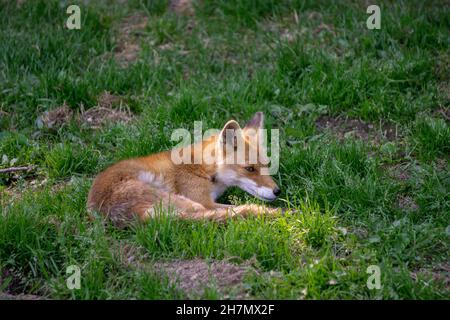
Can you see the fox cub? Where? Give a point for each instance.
(138, 187)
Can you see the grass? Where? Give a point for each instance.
(294, 60)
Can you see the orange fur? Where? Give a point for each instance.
(134, 187)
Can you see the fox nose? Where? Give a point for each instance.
(276, 191)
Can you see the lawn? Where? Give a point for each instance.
(364, 120)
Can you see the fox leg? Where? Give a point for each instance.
(254, 210)
(222, 214)
(188, 209)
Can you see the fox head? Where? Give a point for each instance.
(242, 159)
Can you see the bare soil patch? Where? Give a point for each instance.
(109, 108)
(399, 172)
(13, 283)
(128, 48)
(19, 3)
(444, 112)
(444, 90)
(15, 191)
(344, 127)
(285, 31)
(104, 112)
(56, 118)
(14, 286)
(407, 203)
(7, 296)
(96, 117)
(439, 272)
(194, 276)
(324, 27)
(182, 7)
(128, 254)
(191, 276)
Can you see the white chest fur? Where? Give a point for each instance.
(152, 179)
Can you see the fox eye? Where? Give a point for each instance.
(250, 169)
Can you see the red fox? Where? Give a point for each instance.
(135, 187)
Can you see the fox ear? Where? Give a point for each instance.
(229, 133)
(257, 122)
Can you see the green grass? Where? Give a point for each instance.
(230, 59)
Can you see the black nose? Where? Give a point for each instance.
(276, 191)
